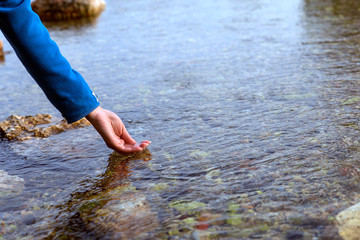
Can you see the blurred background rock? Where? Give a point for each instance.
(1, 51)
(57, 10)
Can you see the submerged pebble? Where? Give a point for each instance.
(294, 234)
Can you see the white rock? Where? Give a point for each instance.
(348, 223)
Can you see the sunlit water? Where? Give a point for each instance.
(251, 107)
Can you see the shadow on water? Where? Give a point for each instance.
(75, 24)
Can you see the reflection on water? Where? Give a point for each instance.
(72, 24)
(251, 107)
(109, 203)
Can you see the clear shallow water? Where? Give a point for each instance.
(251, 107)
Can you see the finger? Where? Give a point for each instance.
(126, 136)
(127, 149)
(144, 144)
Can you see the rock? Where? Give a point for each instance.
(202, 235)
(1, 51)
(185, 207)
(29, 219)
(348, 223)
(55, 10)
(294, 234)
(1, 48)
(21, 128)
(10, 185)
(212, 218)
(330, 233)
(202, 225)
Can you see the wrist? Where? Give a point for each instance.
(92, 115)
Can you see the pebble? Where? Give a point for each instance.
(294, 234)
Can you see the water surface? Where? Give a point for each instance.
(251, 107)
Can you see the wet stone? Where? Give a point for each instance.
(330, 233)
(295, 234)
(1, 48)
(22, 128)
(29, 219)
(202, 235)
(53, 10)
(2, 54)
(348, 222)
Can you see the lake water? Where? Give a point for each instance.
(252, 108)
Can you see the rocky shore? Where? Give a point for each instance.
(21, 128)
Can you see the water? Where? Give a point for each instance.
(251, 107)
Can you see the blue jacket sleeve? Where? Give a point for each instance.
(64, 87)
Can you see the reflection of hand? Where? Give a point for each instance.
(113, 131)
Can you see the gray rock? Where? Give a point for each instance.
(294, 234)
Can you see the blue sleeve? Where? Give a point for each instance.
(64, 87)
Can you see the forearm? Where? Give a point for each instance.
(64, 87)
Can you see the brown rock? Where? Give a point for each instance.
(21, 128)
(211, 218)
(1, 51)
(55, 10)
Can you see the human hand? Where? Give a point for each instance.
(113, 132)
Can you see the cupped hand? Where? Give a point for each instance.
(113, 132)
